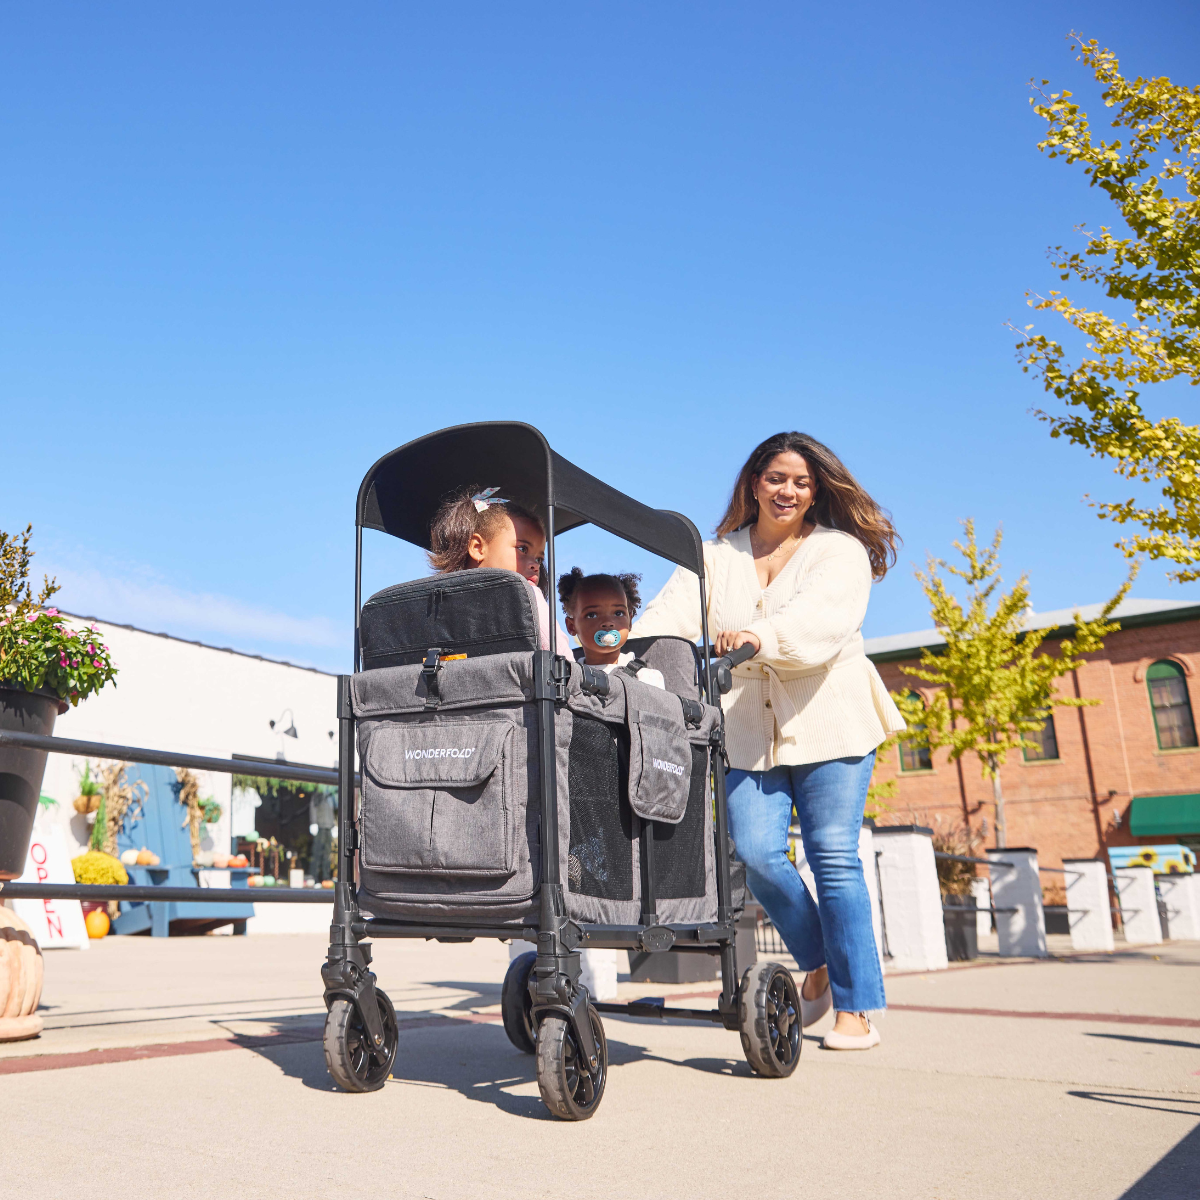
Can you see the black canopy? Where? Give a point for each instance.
(402, 491)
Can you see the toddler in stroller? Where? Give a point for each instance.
(599, 611)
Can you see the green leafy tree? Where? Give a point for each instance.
(1153, 273)
(993, 681)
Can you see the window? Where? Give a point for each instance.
(913, 757)
(1044, 742)
(1171, 707)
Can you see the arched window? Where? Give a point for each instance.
(1170, 704)
(914, 757)
(1043, 743)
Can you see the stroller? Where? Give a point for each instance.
(510, 792)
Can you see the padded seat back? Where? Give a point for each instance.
(476, 612)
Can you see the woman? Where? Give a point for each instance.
(790, 573)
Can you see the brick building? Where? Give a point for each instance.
(1124, 772)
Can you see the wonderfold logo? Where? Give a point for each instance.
(442, 752)
(662, 765)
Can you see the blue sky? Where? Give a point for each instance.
(245, 249)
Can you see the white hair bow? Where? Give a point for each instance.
(484, 499)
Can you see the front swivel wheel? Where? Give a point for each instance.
(354, 1066)
(569, 1089)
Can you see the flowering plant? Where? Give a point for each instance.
(38, 649)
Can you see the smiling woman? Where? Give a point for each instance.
(790, 574)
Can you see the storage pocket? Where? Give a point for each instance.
(660, 767)
(438, 798)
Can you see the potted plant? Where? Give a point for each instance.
(958, 901)
(45, 666)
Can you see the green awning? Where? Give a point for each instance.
(1153, 816)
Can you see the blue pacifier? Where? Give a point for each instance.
(607, 639)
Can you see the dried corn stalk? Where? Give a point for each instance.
(120, 800)
(189, 797)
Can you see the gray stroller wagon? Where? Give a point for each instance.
(511, 792)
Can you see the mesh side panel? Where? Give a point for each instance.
(679, 849)
(600, 859)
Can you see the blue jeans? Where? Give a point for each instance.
(828, 798)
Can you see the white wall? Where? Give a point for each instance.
(177, 695)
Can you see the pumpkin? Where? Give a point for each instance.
(97, 923)
(147, 858)
(20, 979)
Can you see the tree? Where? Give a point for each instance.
(993, 682)
(1156, 273)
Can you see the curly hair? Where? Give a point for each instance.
(569, 585)
(457, 520)
(840, 501)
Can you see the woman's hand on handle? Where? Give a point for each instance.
(729, 639)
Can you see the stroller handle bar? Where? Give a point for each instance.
(722, 666)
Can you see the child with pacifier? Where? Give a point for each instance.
(477, 528)
(599, 611)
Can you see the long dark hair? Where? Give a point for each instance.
(840, 501)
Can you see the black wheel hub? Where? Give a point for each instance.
(783, 1020)
(367, 1063)
(583, 1083)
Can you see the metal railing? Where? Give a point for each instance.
(270, 768)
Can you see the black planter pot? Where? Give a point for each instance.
(962, 938)
(21, 771)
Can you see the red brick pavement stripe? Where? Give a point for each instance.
(1105, 1018)
(117, 1054)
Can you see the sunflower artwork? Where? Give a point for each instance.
(1162, 860)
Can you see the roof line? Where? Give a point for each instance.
(170, 637)
(1133, 620)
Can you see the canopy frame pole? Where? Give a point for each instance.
(357, 597)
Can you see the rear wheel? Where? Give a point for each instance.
(348, 1055)
(769, 1020)
(569, 1090)
(516, 1004)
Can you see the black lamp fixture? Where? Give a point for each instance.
(290, 731)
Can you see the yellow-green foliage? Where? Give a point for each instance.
(1156, 273)
(95, 867)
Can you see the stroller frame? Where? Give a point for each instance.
(398, 496)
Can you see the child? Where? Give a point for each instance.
(599, 611)
(475, 528)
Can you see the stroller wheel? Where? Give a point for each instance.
(569, 1090)
(769, 1020)
(516, 1004)
(348, 1052)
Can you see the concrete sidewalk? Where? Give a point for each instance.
(199, 1059)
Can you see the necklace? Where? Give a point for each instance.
(777, 548)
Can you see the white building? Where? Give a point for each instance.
(172, 694)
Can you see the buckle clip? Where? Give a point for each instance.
(429, 673)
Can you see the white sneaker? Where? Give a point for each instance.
(852, 1041)
(811, 1011)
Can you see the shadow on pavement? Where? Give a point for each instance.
(1183, 1105)
(1174, 1176)
(477, 1060)
(1127, 1037)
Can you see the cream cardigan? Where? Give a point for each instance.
(810, 694)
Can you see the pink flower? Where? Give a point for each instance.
(91, 648)
(74, 662)
(96, 662)
(52, 612)
(32, 616)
